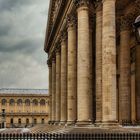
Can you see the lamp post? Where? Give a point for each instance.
(137, 29)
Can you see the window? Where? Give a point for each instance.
(19, 102)
(35, 102)
(42, 102)
(4, 102)
(12, 102)
(19, 121)
(27, 121)
(27, 102)
(12, 121)
(42, 121)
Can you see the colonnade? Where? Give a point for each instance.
(71, 68)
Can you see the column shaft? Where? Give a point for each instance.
(72, 72)
(138, 83)
(124, 92)
(99, 65)
(83, 67)
(63, 80)
(50, 90)
(53, 88)
(109, 62)
(58, 84)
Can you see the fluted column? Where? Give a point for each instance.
(63, 79)
(124, 92)
(84, 102)
(58, 84)
(138, 82)
(109, 113)
(72, 71)
(50, 89)
(99, 63)
(53, 87)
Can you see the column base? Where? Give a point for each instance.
(98, 123)
(62, 122)
(110, 124)
(84, 123)
(71, 122)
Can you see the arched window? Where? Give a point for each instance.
(3, 101)
(27, 102)
(42, 102)
(35, 102)
(27, 121)
(19, 121)
(19, 102)
(12, 102)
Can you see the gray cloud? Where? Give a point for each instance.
(22, 32)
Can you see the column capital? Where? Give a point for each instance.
(125, 23)
(71, 21)
(53, 57)
(98, 5)
(49, 63)
(57, 48)
(80, 3)
(63, 36)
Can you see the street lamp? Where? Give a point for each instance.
(137, 29)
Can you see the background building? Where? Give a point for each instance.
(24, 108)
(94, 61)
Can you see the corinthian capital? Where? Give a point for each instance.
(63, 36)
(71, 21)
(49, 63)
(79, 3)
(126, 23)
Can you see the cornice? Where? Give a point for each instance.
(53, 23)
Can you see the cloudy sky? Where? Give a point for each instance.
(22, 33)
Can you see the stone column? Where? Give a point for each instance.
(99, 63)
(72, 71)
(50, 89)
(53, 87)
(138, 82)
(63, 79)
(58, 84)
(84, 96)
(124, 91)
(109, 114)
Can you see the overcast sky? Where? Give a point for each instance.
(22, 33)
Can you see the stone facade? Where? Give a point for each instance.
(24, 108)
(95, 78)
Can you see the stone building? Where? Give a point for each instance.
(23, 108)
(93, 60)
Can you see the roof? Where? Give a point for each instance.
(24, 91)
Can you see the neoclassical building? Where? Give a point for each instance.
(94, 61)
(23, 108)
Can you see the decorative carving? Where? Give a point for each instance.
(79, 3)
(57, 48)
(49, 63)
(63, 35)
(98, 5)
(126, 22)
(71, 20)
